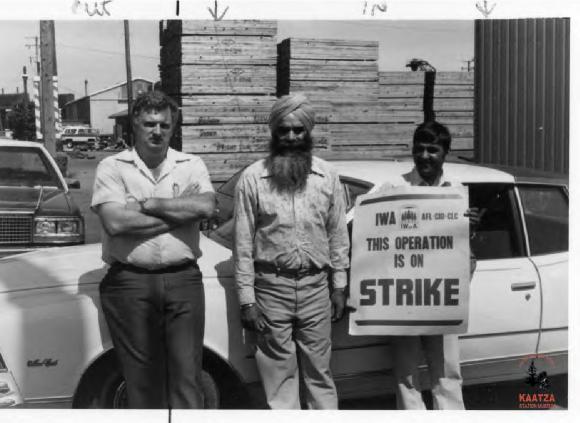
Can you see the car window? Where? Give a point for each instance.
(22, 166)
(499, 233)
(352, 188)
(546, 217)
(225, 198)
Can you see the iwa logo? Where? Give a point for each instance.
(409, 217)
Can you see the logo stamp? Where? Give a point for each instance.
(539, 394)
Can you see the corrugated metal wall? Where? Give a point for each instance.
(522, 80)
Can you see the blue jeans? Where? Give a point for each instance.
(156, 321)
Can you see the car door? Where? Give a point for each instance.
(505, 297)
(545, 210)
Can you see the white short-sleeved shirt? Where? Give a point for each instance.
(124, 177)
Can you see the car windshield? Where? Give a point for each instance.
(27, 167)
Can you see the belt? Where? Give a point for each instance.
(285, 272)
(167, 269)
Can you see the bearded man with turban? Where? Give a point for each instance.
(290, 237)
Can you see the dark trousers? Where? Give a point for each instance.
(156, 321)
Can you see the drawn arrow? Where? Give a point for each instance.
(484, 9)
(214, 13)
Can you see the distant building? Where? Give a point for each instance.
(7, 102)
(95, 108)
(65, 98)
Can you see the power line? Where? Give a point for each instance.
(108, 52)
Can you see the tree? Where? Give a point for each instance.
(21, 121)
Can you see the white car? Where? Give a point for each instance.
(56, 343)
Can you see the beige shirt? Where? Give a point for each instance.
(293, 231)
(124, 177)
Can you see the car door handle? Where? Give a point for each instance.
(523, 286)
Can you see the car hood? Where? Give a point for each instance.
(26, 198)
(81, 264)
(52, 267)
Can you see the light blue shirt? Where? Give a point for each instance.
(124, 177)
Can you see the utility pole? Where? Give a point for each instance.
(25, 83)
(129, 85)
(47, 72)
(469, 67)
(36, 57)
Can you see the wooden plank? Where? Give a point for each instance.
(248, 51)
(229, 41)
(454, 78)
(399, 116)
(454, 91)
(406, 90)
(230, 27)
(224, 131)
(238, 146)
(333, 70)
(387, 103)
(461, 143)
(231, 101)
(442, 78)
(323, 49)
(460, 130)
(455, 117)
(352, 112)
(452, 104)
(398, 78)
(268, 88)
(371, 134)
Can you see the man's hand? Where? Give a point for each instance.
(474, 215)
(253, 318)
(338, 300)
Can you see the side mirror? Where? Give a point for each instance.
(73, 183)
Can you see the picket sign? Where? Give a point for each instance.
(410, 262)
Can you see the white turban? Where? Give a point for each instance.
(297, 104)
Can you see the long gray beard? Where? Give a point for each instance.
(290, 171)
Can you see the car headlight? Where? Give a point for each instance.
(58, 230)
(9, 393)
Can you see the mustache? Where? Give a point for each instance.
(279, 146)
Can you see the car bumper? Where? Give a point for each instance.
(10, 395)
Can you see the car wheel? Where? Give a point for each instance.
(109, 390)
(69, 144)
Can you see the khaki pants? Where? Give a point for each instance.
(442, 356)
(296, 342)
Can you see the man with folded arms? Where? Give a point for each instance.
(290, 236)
(150, 200)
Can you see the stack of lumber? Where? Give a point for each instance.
(223, 74)
(453, 105)
(340, 77)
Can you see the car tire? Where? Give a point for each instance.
(108, 390)
(69, 144)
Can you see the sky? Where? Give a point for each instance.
(95, 50)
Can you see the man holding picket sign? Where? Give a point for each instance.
(422, 236)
